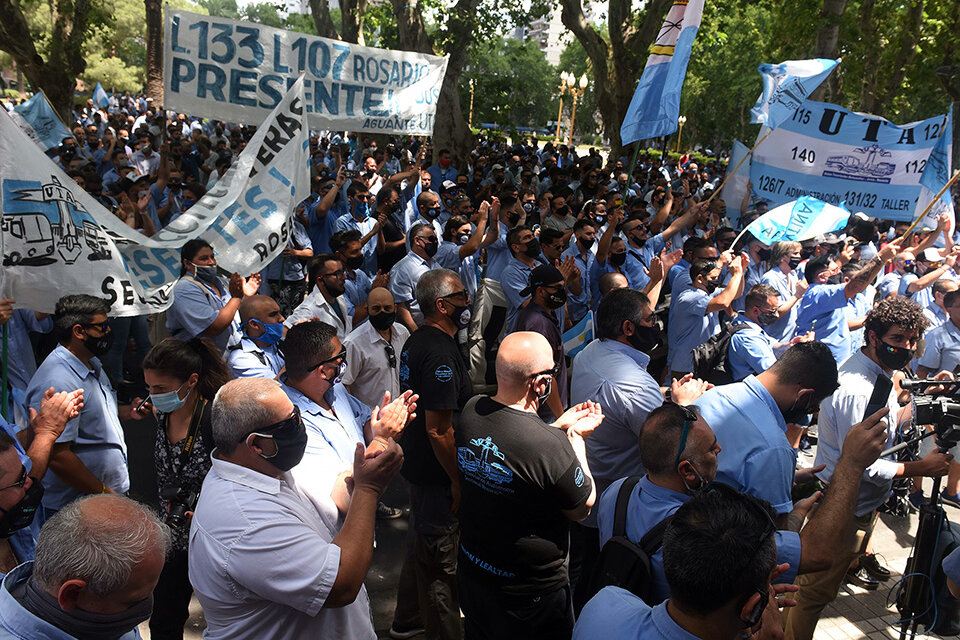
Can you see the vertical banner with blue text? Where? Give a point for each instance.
(238, 71)
(57, 239)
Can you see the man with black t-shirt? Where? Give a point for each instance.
(523, 481)
(431, 364)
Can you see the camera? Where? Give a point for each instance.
(943, 414)
(181, 500)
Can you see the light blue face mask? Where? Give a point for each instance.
(168, 402)
(273, 331)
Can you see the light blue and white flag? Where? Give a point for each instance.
(786, 86)
(655, 105)
(936, 173)
(100, 97)
(579, 336)
(799, 220)
(39, 121)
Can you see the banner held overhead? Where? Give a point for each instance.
(238, 71)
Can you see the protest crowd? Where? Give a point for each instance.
(420, 323)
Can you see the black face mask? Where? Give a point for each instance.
(383, 320)
(645, 339)
(557, 300)
(894, 358)
(617, 259)
(433, 212)
(836, 278)
(795, 261)
(290, 436)
(461, 317)
(532, 249)
(430, 247)
(764, 254)
(563, 211)
(514, 218)
(795, 413)
(79, 623)
(99, 346)
(528, 206)
(21, 514)
(712, 285)
(805, 253)
(355, 262)
(585, 243)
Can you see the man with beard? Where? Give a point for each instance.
(326, 301)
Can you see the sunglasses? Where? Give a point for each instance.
(340, 356)
(689, 418)
(554, 371)
(293, 420)
(391, 356)
(21, 479)
(103, 326)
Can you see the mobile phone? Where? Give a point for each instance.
(143, 405)
(350, 173)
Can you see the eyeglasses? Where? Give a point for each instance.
(340, 356)
(689, 418)
(103, 326)
(21, 480)
(462, 293)
(391, 355)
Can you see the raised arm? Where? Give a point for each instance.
(726, 297)
(861, 279)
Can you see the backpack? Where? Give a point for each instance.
(622, 562)
(711, 360)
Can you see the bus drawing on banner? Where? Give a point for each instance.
(864, 168)
(35, 238)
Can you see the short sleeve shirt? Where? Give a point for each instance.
(822, 310)
(517, 476)
(431, 366)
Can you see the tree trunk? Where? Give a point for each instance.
(351, 20)
(411, 34)
(154, 12)
(617, 68)
(57, 75)
(322, 21)
(827, 45)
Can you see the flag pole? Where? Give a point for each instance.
(930, 205)
(742, 160)
(72, 134)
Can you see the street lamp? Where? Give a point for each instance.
(566, 82)
(682, 120)
(576, 94)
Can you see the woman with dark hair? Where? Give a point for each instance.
(203, 304)
(183, 378)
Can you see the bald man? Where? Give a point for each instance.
(522, 482)
(611, 281)
(256, 355)
(372, 350)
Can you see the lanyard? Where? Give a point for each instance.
(191, 439)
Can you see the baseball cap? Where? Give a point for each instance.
(497, 167)
(446, 185)
(544, 274)
(930, 255)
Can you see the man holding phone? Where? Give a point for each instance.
(892, 330)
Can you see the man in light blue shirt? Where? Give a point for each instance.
(584, 234)
(405, 275)
(892, 330)
(360, 218)
(498, 251)
(750, 420)
(695, 315)
(525, 250)
(22, 362)
(751, 349)
(91, 454)
(937, 313)
(256, 354)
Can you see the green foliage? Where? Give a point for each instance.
(113, 73)
(300, 22)
(221, 8)
(512, 84)
(264, 13)
(380, 26)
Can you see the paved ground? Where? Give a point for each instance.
(855, 614)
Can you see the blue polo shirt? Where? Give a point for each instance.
(823, 311)
(617, 613)
(96, 434)
(578, 305)
(690, 326)
(756, 457)
(785, 327)
(751, 351)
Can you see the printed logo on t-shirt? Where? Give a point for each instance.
(444, 373)
(578, 477)
(479, 466)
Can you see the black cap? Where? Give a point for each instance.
(542, 275)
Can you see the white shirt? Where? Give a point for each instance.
(368, 372)
(316, 306)
(262, 562)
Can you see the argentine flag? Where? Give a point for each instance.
(799, 220)
(786, 86)
(100, 97)
(39, 121)
(936, 173)
(655, 105)
(579, 336)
